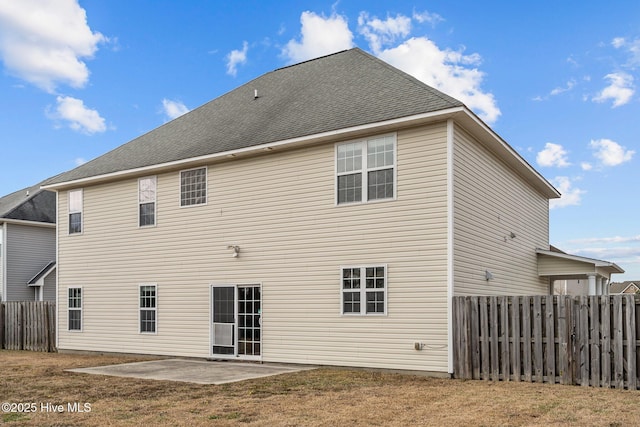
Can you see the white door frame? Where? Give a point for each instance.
(237, 354)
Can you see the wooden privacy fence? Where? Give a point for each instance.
(587, 340)
(28, 325)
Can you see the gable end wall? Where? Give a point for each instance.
(491, 201)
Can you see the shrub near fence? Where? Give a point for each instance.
(28, 325)
(587, 340)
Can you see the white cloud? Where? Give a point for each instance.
(173, 109)
(631, 47)
(553, 155)
(379, 33)
(80, 118)
(236, 57)
(586, 166)
(80, 161)
(430, 18)
(570, 196)
(557, 91)
(44, 42)
(319, 36)
(618, 42)
(620, 90)
(609, 152)
(449, 71)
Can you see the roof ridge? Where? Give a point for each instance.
(310, 60)
(409, 77)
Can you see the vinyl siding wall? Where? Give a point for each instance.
(280, 209)
(490, 202)
(29, 249)
(49, 291)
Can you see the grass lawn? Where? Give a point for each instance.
(322, 397)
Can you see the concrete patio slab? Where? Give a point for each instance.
(193, 371)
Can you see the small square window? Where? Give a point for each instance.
(367, 299)
(193, 187)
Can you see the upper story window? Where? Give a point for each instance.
(193, 187)
(366, 170)
(147, 201)
(75, 211)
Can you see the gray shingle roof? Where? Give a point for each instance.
(345, 89)
(619, 287)
(29, 204)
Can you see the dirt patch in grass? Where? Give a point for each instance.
(309, 398)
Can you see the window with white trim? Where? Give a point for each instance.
(74, 304)
(75, 211)
(147, 201)
(366, 170)
(364, 290)
(148, 308)
(193, 187)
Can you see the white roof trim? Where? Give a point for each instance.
(595, 262)
(24, 222)
(462, 114)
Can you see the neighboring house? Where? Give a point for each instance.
(323, 213)
(28, 245)
(628, 287)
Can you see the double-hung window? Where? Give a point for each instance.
(364, 290)
(366, 170)
(74, 303)
(75, 211)
(147, 201)
(148, 298)
(193, 187)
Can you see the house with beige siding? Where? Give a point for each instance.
(28, 245)
(323, 213)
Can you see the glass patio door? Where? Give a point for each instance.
(236, 329)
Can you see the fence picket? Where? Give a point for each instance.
(630, 329)
(516, 338)
(550, 338)
(484, 336)
(594, 337)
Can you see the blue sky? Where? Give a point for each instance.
(557, 80)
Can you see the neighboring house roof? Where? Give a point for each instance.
(608, 266)
(315, 99)
(46, 270)
(29, 204)
(621, 287)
